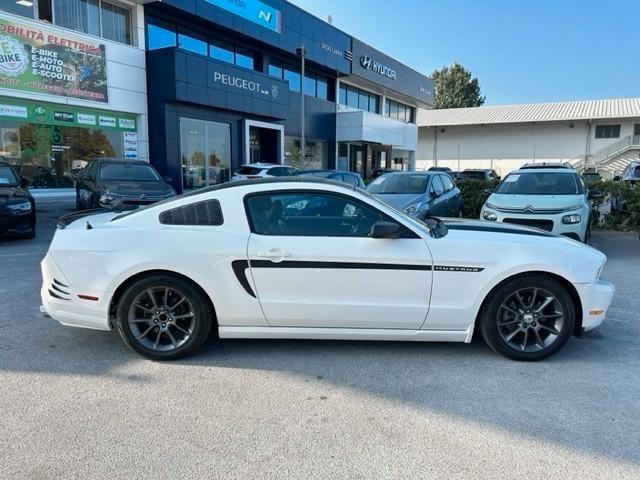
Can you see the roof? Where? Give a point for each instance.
(532, 112)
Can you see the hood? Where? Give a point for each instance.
(547, 202)
(135, 189)
(12, 194)
(400, 200)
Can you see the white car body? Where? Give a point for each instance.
(261, 286)
(262, 170)
(548, 211)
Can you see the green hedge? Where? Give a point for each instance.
(629, 219)
(473, 195)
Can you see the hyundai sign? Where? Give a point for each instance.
(253, 10)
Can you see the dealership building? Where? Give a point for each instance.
(197, 87)
(602, 135)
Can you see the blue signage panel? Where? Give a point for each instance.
(254, 11)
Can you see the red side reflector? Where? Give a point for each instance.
(88, 297)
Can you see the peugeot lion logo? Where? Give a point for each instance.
(275, 91)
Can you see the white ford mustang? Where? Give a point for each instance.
(300, 258)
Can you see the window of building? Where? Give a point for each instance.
(80, 15)
(608, 131)
(275, 69)
(95, 17)
(116, 23)
(159, 37)
(316, 156)
(22, 8)
(357, 98)
(221, 51)
(244, 58)
(322, 90)
(191, 44)
(399, 111)
(310, 84)
(293, 77)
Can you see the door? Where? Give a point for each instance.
(438, 202)
(86, 185)
(314, 265)
(450, 195)
(205, 148)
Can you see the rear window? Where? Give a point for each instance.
(207, 212)
(249, 170)
(473, 175)
(126, 172)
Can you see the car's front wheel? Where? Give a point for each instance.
(528, 318)
(163, 317)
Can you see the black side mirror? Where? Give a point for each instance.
(24, 181)
(488, 191)
(617, 178)
(594, 194)
(167, 179)
(385, 230)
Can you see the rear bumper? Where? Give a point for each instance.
(60, 301)
(596, 299)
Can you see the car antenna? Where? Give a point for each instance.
(88, 225)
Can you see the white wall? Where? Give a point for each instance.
(126, 81)
(507, 147)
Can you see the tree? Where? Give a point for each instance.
(454, 88)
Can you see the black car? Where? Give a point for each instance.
(350, 178)
(114, 182)
(17, 206)
(486, 174)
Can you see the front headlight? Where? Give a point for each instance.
(20, 207)
(489, 215)
(571, 219)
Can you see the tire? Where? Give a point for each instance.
(176, 327)
(504, 320)
(587, 233)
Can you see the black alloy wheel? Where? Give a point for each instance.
(162, 317)
(528, 318)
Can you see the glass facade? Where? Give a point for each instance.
(50, 143)
(94, 17)
(399, 111)
(315, 85)
(205, 152)
(316, 155)
(355, 97)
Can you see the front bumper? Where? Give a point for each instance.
(19, 223)
(596, 299)
(551, 223)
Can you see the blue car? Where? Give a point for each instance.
(420, 194)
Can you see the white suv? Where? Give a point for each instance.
(250, 171)
(552, 199)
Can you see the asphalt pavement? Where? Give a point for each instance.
(78, 404)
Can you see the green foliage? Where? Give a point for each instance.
(474, 195)
(455, 88)
(624, 199)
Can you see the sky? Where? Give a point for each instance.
(522, 51)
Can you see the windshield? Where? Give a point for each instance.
(7, 176)
(540, 183)
(126, 172)
(316, 174)
(399, 184)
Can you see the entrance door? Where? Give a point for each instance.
(264, 145)
(314, 264)
(205, 150)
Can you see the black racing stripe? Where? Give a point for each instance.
(478, 228)
(337, 265)
(240, 268)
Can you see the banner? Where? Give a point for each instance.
(31, 111)
(41, 60)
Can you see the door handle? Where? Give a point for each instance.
(275, 255)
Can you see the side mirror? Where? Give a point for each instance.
(385, 230)
(167, 179)
(594, 194)
(617, 178)
(24, 181)
(488, 191)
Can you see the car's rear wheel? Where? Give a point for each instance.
(528, 318)
(164, 317)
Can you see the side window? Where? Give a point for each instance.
(312, 214)
(637, 174)
(91, 170)
(436, 186)
(207, 212)
(277, 172)
(446, 182)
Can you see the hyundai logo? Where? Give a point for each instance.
(365, 61)
(369, 64)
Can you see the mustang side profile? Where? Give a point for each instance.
(316, 259)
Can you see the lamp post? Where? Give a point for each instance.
(301, 51)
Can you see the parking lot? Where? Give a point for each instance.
(78, 404)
